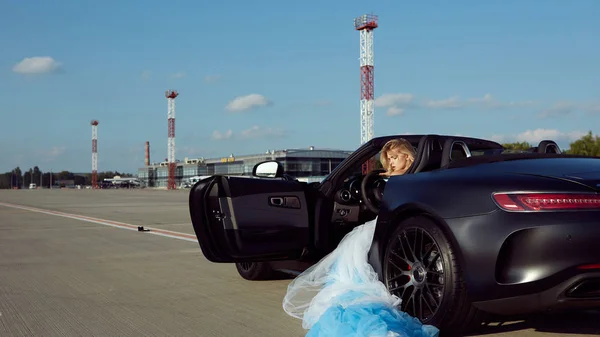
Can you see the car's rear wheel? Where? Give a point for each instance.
(255, 271)
(421, 267)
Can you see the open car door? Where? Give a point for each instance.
(239, 219)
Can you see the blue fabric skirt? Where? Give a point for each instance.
(369, 320)
(341, 295)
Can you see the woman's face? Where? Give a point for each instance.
(397, 161)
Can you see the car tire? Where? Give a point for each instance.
(255, 271)
(454, 311)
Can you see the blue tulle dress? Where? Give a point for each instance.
(341, 295)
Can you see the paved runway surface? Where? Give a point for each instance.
(71, 264)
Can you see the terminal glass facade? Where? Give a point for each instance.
(298, 163)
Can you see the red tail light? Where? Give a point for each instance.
(523, 202)
(589, 266)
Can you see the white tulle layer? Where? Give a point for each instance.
(341, 295)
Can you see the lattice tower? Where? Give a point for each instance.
(94, 124)
(365, 24)
(171, 95)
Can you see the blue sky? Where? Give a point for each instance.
(508, 70)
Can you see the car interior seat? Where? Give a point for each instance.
(429, 155)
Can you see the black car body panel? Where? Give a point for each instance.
(513, 261)
(512, 257)
(474, 185)
(240, 219)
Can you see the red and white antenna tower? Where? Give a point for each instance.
(94, 124)
(365, 24)
(171, 95)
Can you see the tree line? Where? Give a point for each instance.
(588, 145)
(21, 179)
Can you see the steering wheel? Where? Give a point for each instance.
(365, 187)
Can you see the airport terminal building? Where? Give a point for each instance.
(304, 164)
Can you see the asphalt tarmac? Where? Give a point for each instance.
(72, 263)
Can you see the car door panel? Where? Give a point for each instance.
(239, 219)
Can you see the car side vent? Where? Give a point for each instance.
(345, 195)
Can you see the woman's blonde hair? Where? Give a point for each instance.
(401, 145)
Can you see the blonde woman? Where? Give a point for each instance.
(341, 295)
(397, 155)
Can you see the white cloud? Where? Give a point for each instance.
(258, 132)
(178, 75)
(395, 111)
(564, 108)
(537, 135)
(56, 151)
(487, 98)
(388, 100)
(212, 78)
(217, 135)
(395, 103)
(36, 65)
(485, 102)
(398, 103)
(242, 103)
(448, 103)
(498, 138)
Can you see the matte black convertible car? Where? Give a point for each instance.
(469, 230)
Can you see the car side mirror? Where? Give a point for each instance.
(268, 169)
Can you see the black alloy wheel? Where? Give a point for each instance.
(415, 272)
(421, 267)
(245, 266)
(255, 271)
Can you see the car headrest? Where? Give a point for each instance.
(429, 152)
